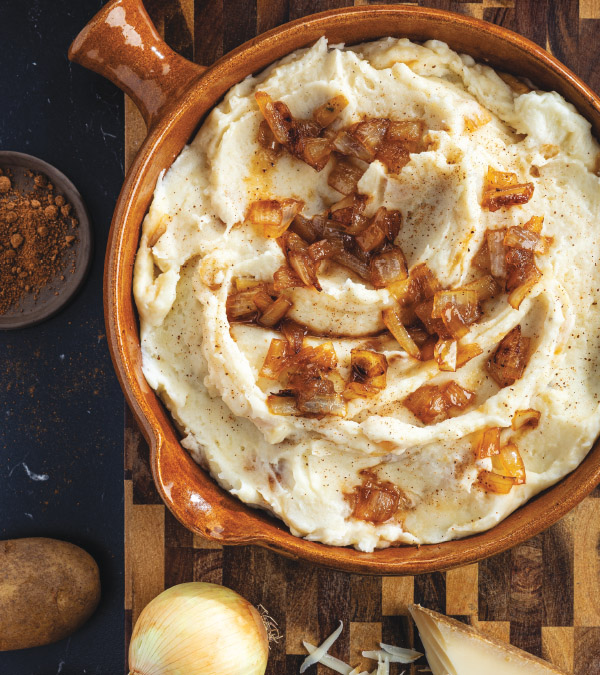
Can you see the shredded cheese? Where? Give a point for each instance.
(332, 662)
(384, 656)
(409, 654)
(320, 651)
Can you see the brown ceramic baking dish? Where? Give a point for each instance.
(174, 96)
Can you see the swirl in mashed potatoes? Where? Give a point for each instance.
(458, 423)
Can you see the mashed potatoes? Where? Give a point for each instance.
(195, 243)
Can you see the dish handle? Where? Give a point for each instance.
(122, 44)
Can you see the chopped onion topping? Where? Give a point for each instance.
(241, 305)
(353, 263)
(282, 404)
(534, 224)
(503, 189)
(278, 117)
(486, 287)
(344, 176)
(320, 651)
(392, 320)
(489, 443)
(493, 482)
(374, 501)
(431, 402)
(508, 362)
(325, 114)
(368, 373)
(388, 267)
(275, 312)
(294, 333)
(445, 354)
(371, 133)
(285, 277)
(347, 144)
(521, 237)
(406, 130)
(526, 418)
(267, 139)
(508, 462)
(304, 228)
(276, 360)
(522, 275)
(393, 155)
(315, 151)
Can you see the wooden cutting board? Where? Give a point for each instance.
(543, 596)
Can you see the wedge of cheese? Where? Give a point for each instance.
(452, 648)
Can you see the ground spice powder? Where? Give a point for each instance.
(36, 228)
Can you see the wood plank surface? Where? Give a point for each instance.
(543, 596)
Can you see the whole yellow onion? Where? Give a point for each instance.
(199, 629)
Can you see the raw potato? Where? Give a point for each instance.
(48, 589)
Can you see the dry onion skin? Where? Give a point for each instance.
(199, 629)
(354, 286)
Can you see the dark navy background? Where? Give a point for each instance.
(61, 408)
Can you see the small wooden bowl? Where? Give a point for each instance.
(174, 96)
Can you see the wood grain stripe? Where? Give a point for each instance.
(563, 32)
(145, 543)
(587, 564)
(365, 598)
(462, 590)
(430, 591)
(302, 621)
(239, 23)
(396, 594)
(494, 585)
(496, 629)
(587, 651)
(526, 606)
(557, 584)
(271, 13)
(208, 31)
(335, 586)
(363, 637)
(558, 646)
(589, 9)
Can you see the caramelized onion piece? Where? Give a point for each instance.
(371, 133)
(392, 320)
(248, 284)
(347, 144)
(489, 443)
(320, 404)
(517, 194)
(427, 347)
(241, 305)
(427, 403)
(314, 151)
(276, 360)
(424, 283)
(374, 501)
(508, 462)
(325, 114)
(353, 263)
(526, 418)
(521, 274)
(460, 313)
(393, 155)
(267, 139)
(285, 277)
(508, 362)
(294, 333)
(277, 116)
(262, 299)
(371, 238)
(445, 354)
(486, 287)
(503, 189)
(521, 237)
(368, 373)
(497, 252)
(326, 248)
(282, 403)
(273, 314)
(406, 130)
(481, 259)
(432, 325)
(344, 176)
(534, 224)
(493, 482)
(457, 396)
(388, 267)
(304, 228)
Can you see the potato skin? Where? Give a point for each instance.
(48, 589)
